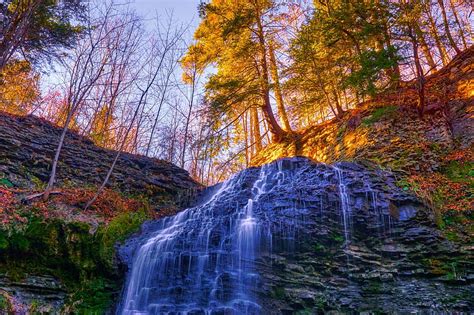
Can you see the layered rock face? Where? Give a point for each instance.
(28, 144)
(297, 236)
(62, 260)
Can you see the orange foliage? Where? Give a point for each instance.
(8, 205)
(18, 88)
(108, 204)
(460, 156)
(442, 193)
(66, 203)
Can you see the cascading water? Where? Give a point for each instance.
(203, 258)
(345, 205)
(258, 239)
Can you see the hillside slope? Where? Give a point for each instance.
(432, 157)
(28, 144)
(387, 127)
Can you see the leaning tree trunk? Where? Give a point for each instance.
(459, 24)
(424, 47)
(439, 44)
(446, 27)
(420, 78)
(277, 88)
(52, 176)
(255, 128)
(277, 132)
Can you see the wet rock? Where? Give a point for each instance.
(44, 292)
(319, 238)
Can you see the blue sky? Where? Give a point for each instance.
(184, 10)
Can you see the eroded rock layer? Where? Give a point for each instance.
(28, 144)
(298, 236)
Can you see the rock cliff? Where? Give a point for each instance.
(54, 256)
(28, 144)
(299, 237)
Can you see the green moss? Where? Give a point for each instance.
(378, 114)
(4, 305)
(321, 302)
(3, 240)
(459, 172)
(452, 236)
(117, 231)
(39, 184)
(19, 243)
(451, 218)
(83, 261)
(338, 238)
(94, 296)
(5, 182)
(320, 248)
(279, 293)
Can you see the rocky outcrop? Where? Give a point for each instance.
(46, 291)
(28, 144)
(299, 237)
(54, 257)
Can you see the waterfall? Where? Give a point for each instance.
(345, 205)
(210, 259)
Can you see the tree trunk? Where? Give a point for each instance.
(188, 119)
(393, 73)
(446, 27)
(459, 24)
(277, 132)
(424, 47)
(255, 128)
(340, 110)
(246, 136)
(155, 124)
(439, 44)
(419, 76)
(14, 32)
(52, 176)
(127, 132)
(277, 88)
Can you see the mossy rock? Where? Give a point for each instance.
(84, 262)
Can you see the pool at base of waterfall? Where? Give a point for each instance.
(295, 237)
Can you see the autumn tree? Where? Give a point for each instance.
(235, 37)
(19, 88)
(85, 67)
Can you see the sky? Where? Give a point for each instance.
(184, 10)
